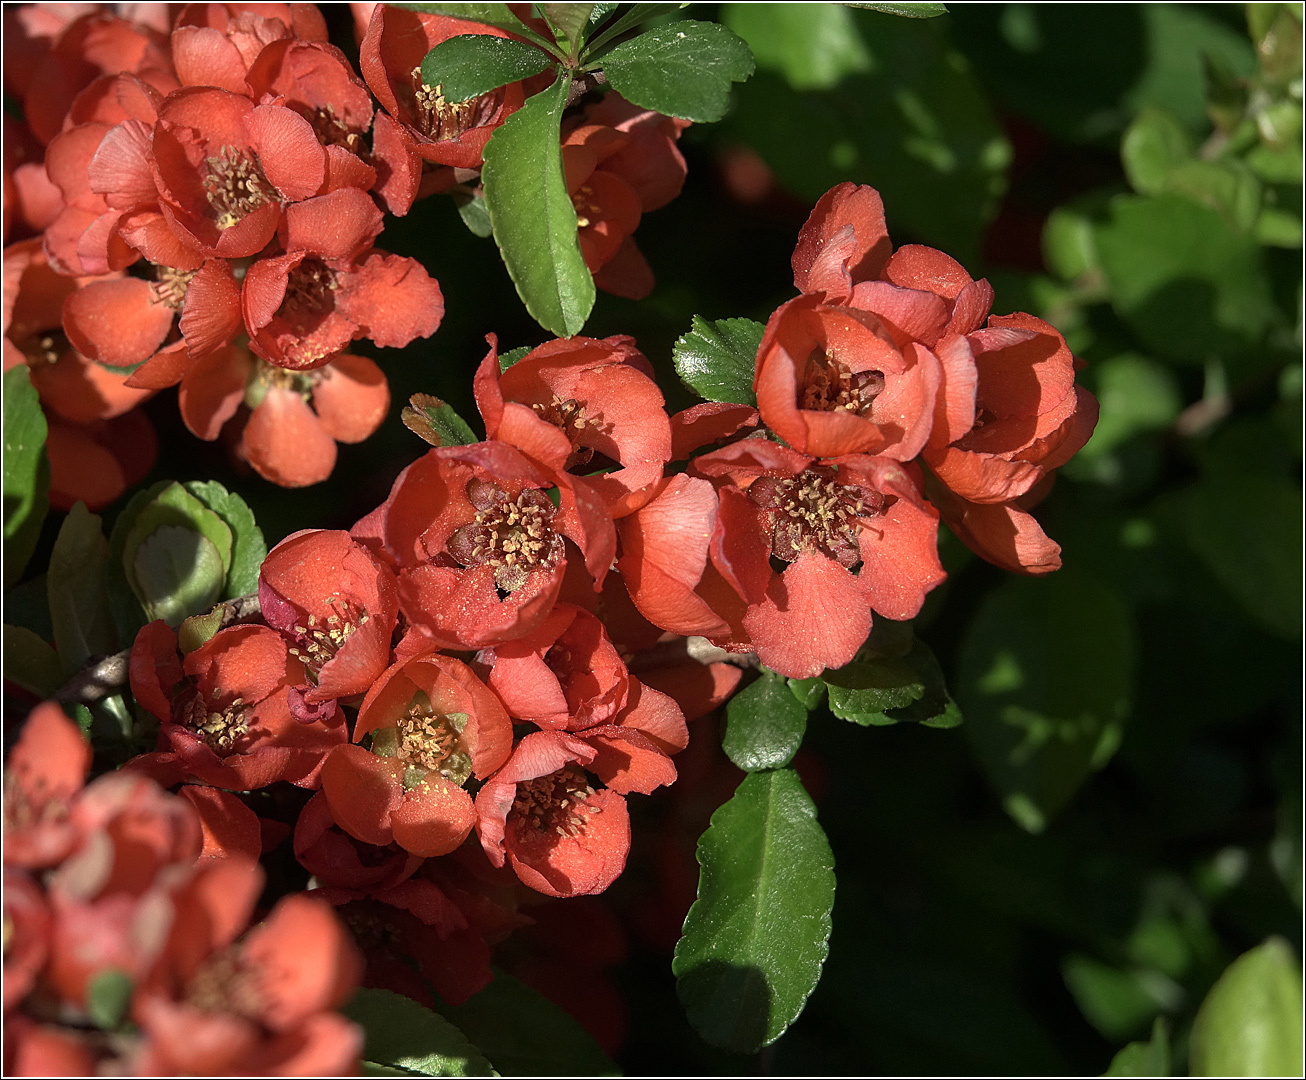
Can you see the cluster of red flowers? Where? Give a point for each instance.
(202, 205)
(124, 903)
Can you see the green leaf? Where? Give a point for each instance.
(471, 208)
(637, 14)
(506, 360)
(765, 724)
(79, 607)
(571, 19)
(807, 692)
(402, 1038)
(523, 1033)
(863, 690)
(178, 572)
(178, 577)
(1154, 145)
(756, 937)
(812, 45)
(470, 65)
(907, 11)
(499, 15)
(436, 421)
(1046, 683)
(248, 548)
(1251, 1021)
(108, 994)
(1151, 1058)
(1255, 553)
(30, 662)
(681, 69)
(533, 216)
(718, 359)
(26, 471)
(917, 127)
(1135, 395)
(1184, 280)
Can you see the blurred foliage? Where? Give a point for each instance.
(1119, 817)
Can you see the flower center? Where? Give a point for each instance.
(569, 417)
(224, 983)
(813, 512)
(45, 348)
(170, 285)
(829, 386)
(330, 129)
(235, 186)
(219, 728)
(427, 741)
(515, 536)
(557, 803)
(586, 208)
(321, 639)
(439, 119)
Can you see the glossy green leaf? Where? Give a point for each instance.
(470, 65)
(79, 607)
(26, 471)
(1151, 1058)
(1250, 1024)
(533, 216)
(248, 548)
(756, 937)
(523, 1033)
(403, 1038)
(765, 724)
(718, 359)
(812, 45)
(108, 995)
(1118, 1002)
(471, 208)
(863, 690)
(436, 421)
(30, 661)
(681, 69)
(506, 360)
(807, 692)
(178, 572)
(1256, 553)
(500, 15)
(571, 19)
(906, 11)
(1046, 683)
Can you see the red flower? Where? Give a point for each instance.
(335, 858)
(577, 405)
(565, 675)
(225, 711)
(223, 167)
(298, 416)
(442, 132)
(96, 462)
(540, 813)
(480, 544)
(411, 934)
(329, 288)
(338, 603)
(433, 725)
(216, 44)
(46, 769)
(831, 381)
(825, 520)
(258, 1006)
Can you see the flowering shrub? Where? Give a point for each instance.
(277, 811)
